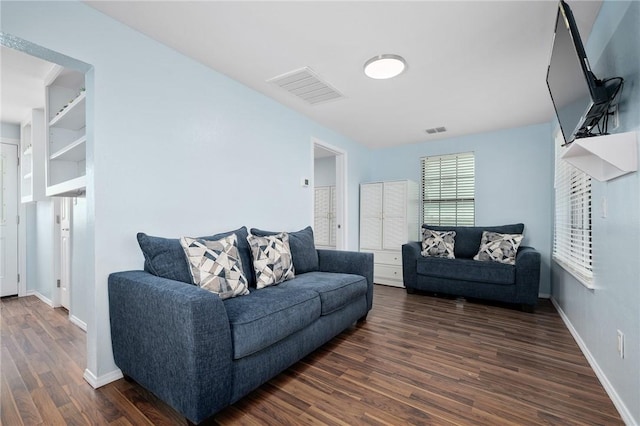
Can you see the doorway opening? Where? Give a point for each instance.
(330, 194)
(48, 108)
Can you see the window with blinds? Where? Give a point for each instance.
(572, 245)
(448, 189)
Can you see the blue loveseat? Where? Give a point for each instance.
(463, 276)
(199, 353)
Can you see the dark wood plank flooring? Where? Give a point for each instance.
(417, 360)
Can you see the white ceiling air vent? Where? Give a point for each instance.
(434, 130)
(306, 85)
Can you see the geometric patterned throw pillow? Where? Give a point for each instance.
(271, 259)
(438, 243)
(499, 247)
(216, 265)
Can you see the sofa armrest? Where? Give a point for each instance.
(410, 255)
(527, 274)
(173, 339)
(349, 262)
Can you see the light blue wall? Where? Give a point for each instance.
(324, 171)
(175, 149)
(595, 315)
(79, 285)
(9, 131)
(514, 179)
(43, 280)
(31, 260)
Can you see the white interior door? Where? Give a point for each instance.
(8, 220)
(324, 229)
(65, 252)
(321, 226)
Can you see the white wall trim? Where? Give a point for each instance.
(608, 387)
(22, 245)
(22, 213)
(544, 296)
(78, 322)
(105, 379)
(41, 297)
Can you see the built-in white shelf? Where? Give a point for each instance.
(65, 109)
(75, 151)
(69, 188)
(604, 157)
(32, 163)
(72, 116)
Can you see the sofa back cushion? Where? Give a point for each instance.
(467, 239)
(303, 249)
(164, 257)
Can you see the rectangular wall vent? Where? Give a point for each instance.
(436, 130)
(306, 85)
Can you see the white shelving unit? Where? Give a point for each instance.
(388, 219)
(65, 110)
(32, 153)
(604, 157)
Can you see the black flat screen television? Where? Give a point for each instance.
(579, 98)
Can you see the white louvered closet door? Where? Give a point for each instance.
(394, 215)
(371, 216)
(322, 216)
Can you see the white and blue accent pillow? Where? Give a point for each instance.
(272, 259)
(216, 265)
(498, 247)
(438, 243)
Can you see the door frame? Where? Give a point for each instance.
(59, 299)
(341, 190)
(22, 233)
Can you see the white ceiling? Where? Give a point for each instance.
(21, 84)
(474, 66)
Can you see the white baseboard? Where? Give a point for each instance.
(544, 296)
(40, 296)
(77, 321)
(105, 379)
(606, 384)
(72, 318)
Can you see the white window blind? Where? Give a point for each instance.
(448, 189)
(572, 245)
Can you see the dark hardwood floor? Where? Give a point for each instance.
(416, 360)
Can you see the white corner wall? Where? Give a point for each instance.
(324, 171)
(9, 131)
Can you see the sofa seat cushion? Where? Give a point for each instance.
(268, 315)
(336, 290)
(467, 270)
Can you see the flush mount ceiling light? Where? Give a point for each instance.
(385, 66)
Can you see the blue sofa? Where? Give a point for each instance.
(199, 353)
(463, 276)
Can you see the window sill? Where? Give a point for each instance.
(585, 281)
